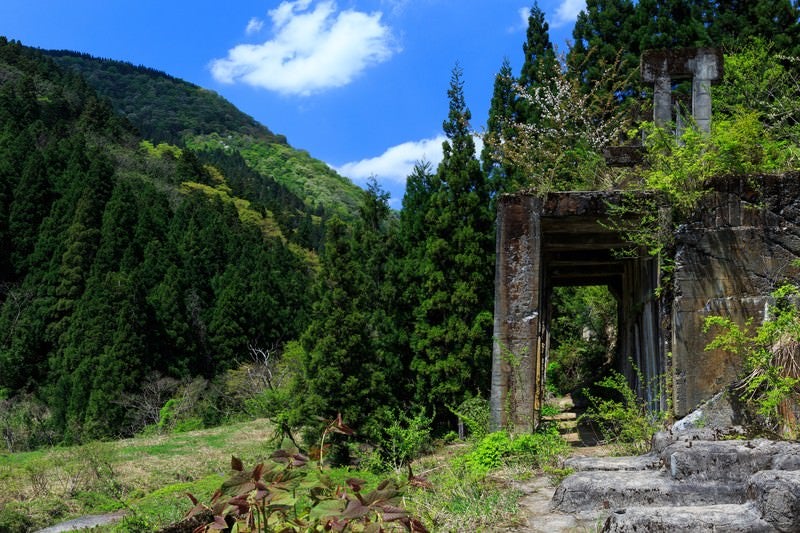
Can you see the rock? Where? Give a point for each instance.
(716, 414)
(711, 518)
(731, 461)
(640, 462)
(776, 494)
(596, 490)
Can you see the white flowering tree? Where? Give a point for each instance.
(562, 148)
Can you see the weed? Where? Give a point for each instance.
(535, 450)
(621, 417)
(272, 497)
(770, 386)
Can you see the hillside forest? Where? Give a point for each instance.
(167, 263)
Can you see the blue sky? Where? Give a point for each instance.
(359, 84)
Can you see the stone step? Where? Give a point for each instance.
(614, 464)
(566, 415)
(744, 518)
(595, 490)
(729, 460)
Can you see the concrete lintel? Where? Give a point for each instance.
(682, 64)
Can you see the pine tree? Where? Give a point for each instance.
(452, 334)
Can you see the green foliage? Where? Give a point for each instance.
(583, 336)
(404, 439)
(474, 414)
(620, 416)
(739, 144)
(275, 498)
(770, 386)
(453, 262)
(460, 501)
(544, 448)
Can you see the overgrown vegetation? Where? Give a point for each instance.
(178, 267)
(769, 388)
(621, 417)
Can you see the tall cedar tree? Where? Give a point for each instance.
(734, 21)
(452, 334)
(540, 59)
(499, 126)
(345, 368)
(601, 31)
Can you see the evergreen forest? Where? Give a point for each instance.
(167, 263)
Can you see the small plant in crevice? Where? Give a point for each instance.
(769, 388)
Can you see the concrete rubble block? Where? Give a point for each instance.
(731, 460)
(776, 495)
(590, 491)
(619, 464)
(712, 518)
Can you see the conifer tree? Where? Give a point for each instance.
(500, 126)
(540, 59)
(604, 32)
(452, 334)
(346, 366)
(734, 21)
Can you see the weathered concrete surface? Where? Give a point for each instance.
(711, 518)
(776, 494)
(565, 239)
(704, 66)
(690, 485)
(732, 461)
(739, 246)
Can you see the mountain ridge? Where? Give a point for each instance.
(164, 108)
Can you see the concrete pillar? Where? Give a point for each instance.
(706, 68)
(517, 315)
(662, 100)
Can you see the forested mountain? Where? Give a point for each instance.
(120, 259)
(167, 109)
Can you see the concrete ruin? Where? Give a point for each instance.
(739, 246)
(662, 68)
(728, 257)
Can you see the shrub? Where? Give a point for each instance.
(621, 417)
(474, 414)
(544, 448)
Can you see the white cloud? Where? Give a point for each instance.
(254, 26)
(524, 13)
(395, 164)
(567, 12)
(312, 49)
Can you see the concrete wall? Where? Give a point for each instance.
(737, 248)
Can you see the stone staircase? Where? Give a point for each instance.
(689, 482)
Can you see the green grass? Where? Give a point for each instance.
(149, 477)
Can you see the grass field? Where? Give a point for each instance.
(148, 478)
